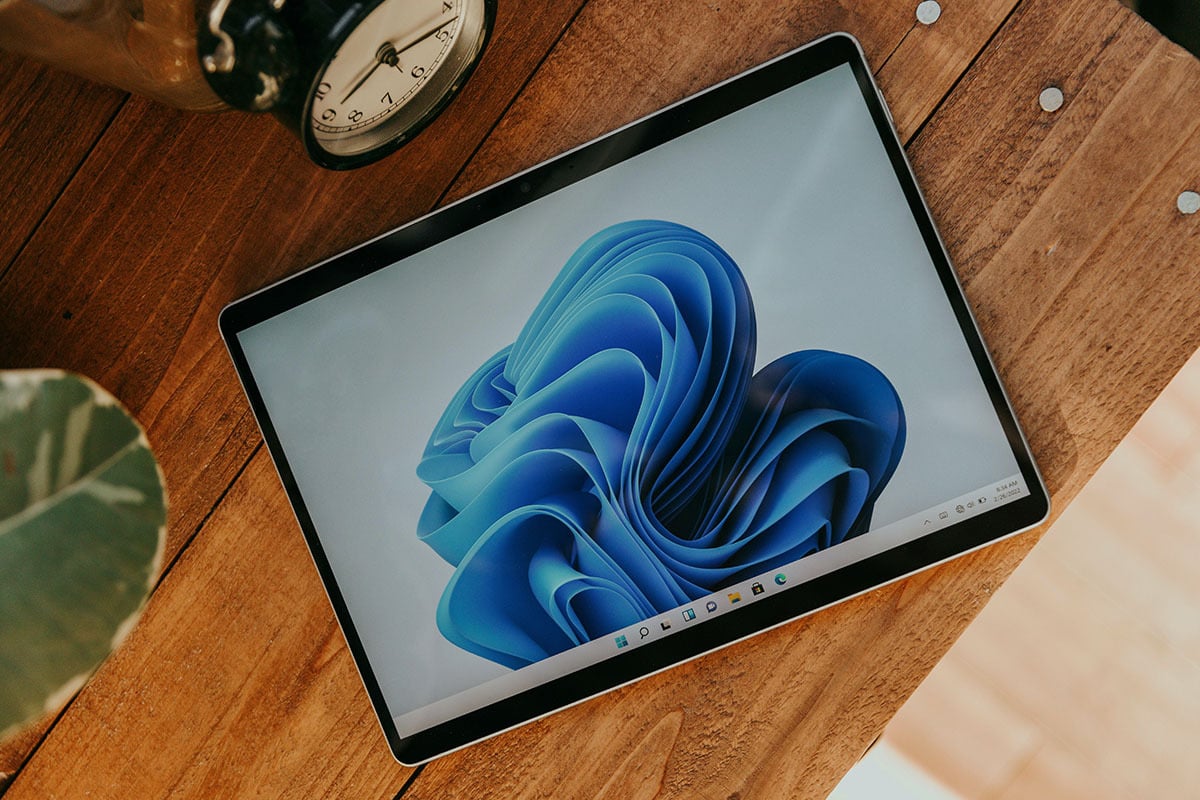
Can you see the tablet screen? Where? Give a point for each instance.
(627, 406)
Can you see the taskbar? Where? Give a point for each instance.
(727, 600)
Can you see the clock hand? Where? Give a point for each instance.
(433, 27)
(386, 54)
(390, 55)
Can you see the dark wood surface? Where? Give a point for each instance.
(127, 226)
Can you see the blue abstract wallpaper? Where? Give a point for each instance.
(620, 458)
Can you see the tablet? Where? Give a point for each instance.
(703, 375)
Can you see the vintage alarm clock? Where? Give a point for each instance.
(354, 80)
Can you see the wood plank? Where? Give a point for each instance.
(615, 65)
(236, 682)
(244, 435)
(931, 58)
(1083, 354)
(818, 690)
(51, 122)
(1075, 213)
(45, 135)
(917, 65)
(175, 214)
(1061, 658)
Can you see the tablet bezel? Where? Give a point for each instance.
(718, 101)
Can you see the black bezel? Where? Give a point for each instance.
(772, 610)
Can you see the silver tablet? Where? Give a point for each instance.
(689, 381)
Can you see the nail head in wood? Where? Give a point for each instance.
(928, 12)
(1051, 98)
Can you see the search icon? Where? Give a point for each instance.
(644, 631)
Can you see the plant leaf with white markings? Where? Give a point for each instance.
(82, 528)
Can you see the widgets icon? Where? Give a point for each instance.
(622, 642)
(711, 605)
(688, 615)
(780, 579)
(757, 588)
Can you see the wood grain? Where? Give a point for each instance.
(917, 75)
(45, 137)
(176, 214)
(919, 66)
(820, 687)
(783, 715)
(1079, 266)
(172, 216)
(579, 95)
(52, 120)
(237, 682)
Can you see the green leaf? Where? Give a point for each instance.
(82, 530)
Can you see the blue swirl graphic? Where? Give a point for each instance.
(619, 459)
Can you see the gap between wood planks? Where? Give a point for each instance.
(963, 74)
(11, 778)
(4, 270)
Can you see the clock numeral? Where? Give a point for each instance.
(355, 116)
(386, 99)
(446, 6)
(323, 90)
(442, 35)
(418, 71)
(328, 114)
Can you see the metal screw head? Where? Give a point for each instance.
(1188, 202)
(928, 12)
(1051, 98)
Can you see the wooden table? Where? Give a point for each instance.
(126, 226)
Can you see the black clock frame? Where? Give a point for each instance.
(266, 55)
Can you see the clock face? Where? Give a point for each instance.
(392, 73)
